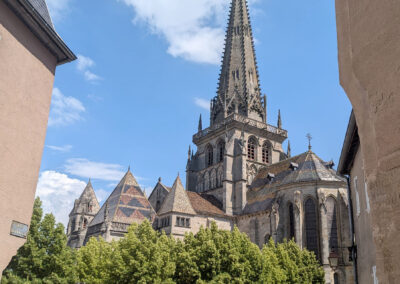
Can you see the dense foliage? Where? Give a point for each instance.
(145, 256)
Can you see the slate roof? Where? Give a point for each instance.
(309, 168)
(205, 204)
(41, 7)
(259, 205)
(177, 200)
(305, 167)
(126, 204)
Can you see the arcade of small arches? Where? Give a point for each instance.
(210, 179)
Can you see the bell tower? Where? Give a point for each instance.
(239, 141)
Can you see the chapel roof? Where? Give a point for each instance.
(177, 200)
(305, 167)
(127, 204)
(205, 204)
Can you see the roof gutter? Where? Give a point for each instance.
(42, 30)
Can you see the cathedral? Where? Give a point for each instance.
(239, 175)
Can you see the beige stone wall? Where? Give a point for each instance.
(369, 60)
(26, 80)
(366, 254)
(196, 222)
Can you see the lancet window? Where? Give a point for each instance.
(331, 216)
(311, 226)
(291, 221)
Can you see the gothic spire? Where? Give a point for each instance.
(239, 87)
(279, 120)
(200, 124)
(289, 150)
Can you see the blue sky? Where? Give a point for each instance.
(148, 68)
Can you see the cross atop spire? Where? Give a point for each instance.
(309, 137)
(239, 87)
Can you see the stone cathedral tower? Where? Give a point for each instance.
(239, 142)
(85, 208)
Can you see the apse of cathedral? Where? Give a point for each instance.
(239, 176)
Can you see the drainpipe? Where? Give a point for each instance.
(353, 248)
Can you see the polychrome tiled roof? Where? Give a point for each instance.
(126, 204)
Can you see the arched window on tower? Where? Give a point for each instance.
(221, 151)
(311, 226)
(331, 216)
(90, 207)
(251, 148)
(291, 221)
(158, 204)
(85, 223)
(266, 153)
(210, 155)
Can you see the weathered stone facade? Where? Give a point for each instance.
(369, 60)
(352, 165)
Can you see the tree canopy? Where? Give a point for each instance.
(147, 256)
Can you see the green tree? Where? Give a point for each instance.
(297, 265)
(145, 256)
(45, 257)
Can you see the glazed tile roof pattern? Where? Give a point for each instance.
(41, 7)
(126, 204)
(177, 200)
(310, 168)
(205, 204)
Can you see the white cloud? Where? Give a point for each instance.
(83, 65)
(194, 30)
(65, 148)
(64, 110)
(57, 8)
(202, 103)
(58, 193)
(88, 169)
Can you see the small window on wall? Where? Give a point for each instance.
(251, 149)
(182, 222)
(85, 222)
